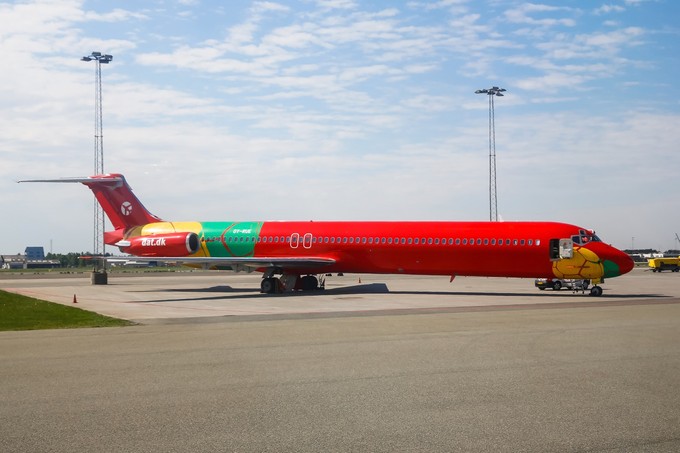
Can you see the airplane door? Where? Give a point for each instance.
(294, 240)
(561, 249)
(566, 248)
(307, 241)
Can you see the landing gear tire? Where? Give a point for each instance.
(269, 285)
(557, 286)
(310, 283)
(596, 291)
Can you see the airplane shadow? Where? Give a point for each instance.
(253, 293)
(226, 292)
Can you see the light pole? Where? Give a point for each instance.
(493, 197)
(99, 247)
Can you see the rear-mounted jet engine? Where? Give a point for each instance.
(171, 244)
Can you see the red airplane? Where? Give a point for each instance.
(300, 251)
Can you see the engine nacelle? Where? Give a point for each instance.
(170, 244)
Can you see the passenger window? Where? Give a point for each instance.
(486, 242)
(522, 242)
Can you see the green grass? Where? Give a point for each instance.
(26, 313)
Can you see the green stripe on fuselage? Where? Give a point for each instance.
(231, 238)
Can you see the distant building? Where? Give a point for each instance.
(33, 258)
(34, 253)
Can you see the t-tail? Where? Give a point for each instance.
(116, 198)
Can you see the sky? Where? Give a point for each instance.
(343, 110)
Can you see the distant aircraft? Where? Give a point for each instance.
(300, 251)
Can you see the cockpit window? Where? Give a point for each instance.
(584, 237)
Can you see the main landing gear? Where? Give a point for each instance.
(288, 282)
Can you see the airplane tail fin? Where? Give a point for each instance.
(115, 196)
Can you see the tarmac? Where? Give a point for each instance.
(373, 363)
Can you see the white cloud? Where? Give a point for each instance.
(522, 15)
(606, 9)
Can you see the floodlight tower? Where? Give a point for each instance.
(99, 247)
(493, 197)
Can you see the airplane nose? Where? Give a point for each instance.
(617, 263)
(614, 261)
(626, 264)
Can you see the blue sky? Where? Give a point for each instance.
(344, 110)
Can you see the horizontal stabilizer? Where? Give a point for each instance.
(115, 196)
(75, 179)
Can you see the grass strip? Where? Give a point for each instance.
(19, 312)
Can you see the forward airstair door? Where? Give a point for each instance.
(566, 248)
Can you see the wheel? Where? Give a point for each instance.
(309, 283)
(557, 285)
(268, 285)
(596, 291)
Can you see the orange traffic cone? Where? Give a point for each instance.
(75, 301)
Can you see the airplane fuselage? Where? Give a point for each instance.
(299, 250)
(492, 249)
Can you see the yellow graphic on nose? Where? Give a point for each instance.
(583, 265)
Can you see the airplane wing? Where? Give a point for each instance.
(243, 263)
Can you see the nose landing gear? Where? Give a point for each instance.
(596, 291)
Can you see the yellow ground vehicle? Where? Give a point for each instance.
(664, 264)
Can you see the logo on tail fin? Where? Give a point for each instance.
(126, 208)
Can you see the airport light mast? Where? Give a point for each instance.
(99, 247)
(493, 188)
